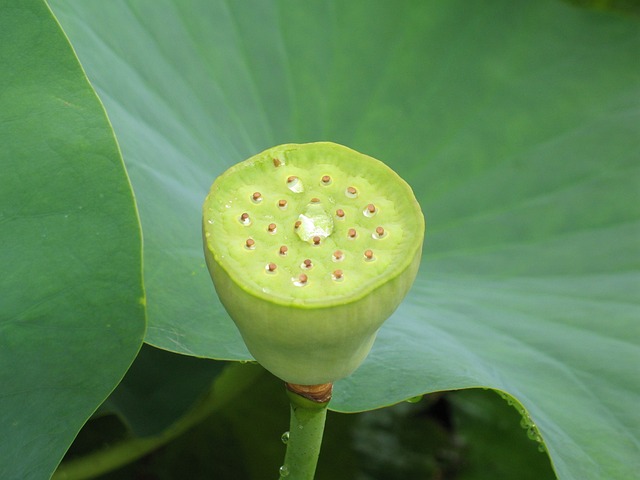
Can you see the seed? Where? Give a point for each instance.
(352, 233)
(306, 264)
(368, 255)
(276, 162)
(250, 243)
(283, 250)
(282, 203)
(379, 233)
(337, 256)
(337, 275)
(370, 210)
(301, 281)
(351, 192)
(244, 219)
(315, 200)
(294, 184)
(326, 180)
(340, 213)
(271, 228)
(316, 240)
(256, 197)
(297, 224)
(271, 267)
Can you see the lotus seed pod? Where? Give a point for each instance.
(309, 285)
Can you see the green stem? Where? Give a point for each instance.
(305, 437)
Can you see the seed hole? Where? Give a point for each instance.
(244, 219)
(326, 180)
(250, 244)
(337, 256)
(351, 192)
(270, 267)
(272, 228)
(276, 162)
(340, 213)
(379, 233)
(295, 184)
(352, 233)
(301, 280)
(282, 204)
(256, 197)
(368, 255)
(283, 250)
(370, 210)
(337, 275)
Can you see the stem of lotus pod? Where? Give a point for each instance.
(308, 415)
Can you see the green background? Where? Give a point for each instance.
(516, 124)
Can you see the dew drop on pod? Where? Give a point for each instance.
(311, 247)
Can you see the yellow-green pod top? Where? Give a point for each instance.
(311, 247)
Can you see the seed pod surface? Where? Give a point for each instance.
(303, 321)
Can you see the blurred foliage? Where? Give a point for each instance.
(625, 6)
(466, 435)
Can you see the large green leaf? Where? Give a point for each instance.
(517, 124)
(71, 310)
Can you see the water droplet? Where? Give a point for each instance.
(532, 433)
(284, 471)
(285, 437)
(314, 224)
(542, 448)
(415, 399)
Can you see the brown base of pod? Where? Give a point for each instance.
(315, 393)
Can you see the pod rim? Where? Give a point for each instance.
(353, 295)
